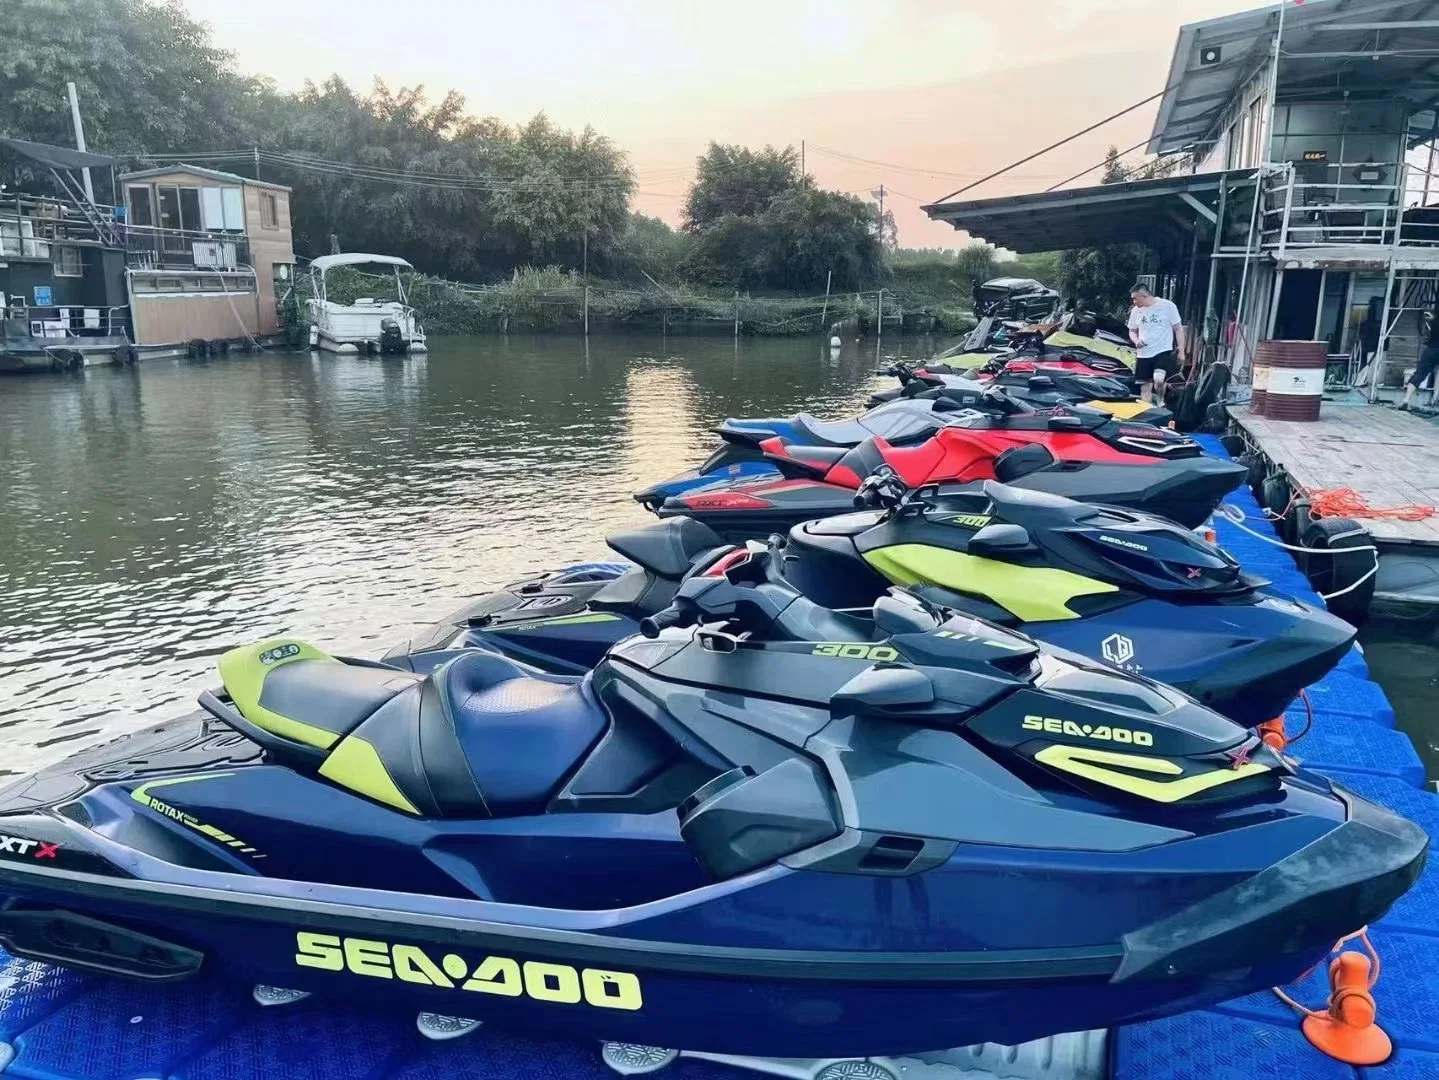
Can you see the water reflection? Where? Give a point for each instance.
(155, 517)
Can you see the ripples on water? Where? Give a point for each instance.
(152, 518)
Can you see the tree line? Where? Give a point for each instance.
(392, 170)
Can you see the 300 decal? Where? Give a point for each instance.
(558, 983)
(1099, 732)
(857, 652)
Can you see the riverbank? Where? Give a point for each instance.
(553, 300)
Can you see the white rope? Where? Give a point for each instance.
(1237, 517)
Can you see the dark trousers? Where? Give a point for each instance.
(1428, 361)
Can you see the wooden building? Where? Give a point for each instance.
(210, 254)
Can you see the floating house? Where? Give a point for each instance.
(208, 254)
(185, 259)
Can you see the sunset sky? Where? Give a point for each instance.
(932, 94)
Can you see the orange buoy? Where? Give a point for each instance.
(1347, 1031)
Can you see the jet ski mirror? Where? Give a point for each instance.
(1065, 422)
(1000, 541)
(881, 689)
(1041, 382)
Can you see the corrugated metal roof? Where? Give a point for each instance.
(1155, 211)
(1327, 46)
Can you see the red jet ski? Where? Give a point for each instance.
(1079, 453)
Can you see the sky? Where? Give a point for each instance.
(921, 96)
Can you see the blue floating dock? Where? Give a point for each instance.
(57, 1025)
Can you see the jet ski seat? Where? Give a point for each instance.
(479, 737)
(845, 433)
(667, 548)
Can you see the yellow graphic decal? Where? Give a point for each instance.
(558, 620)
(356, 764)
(560, 984)
(1099, 732)
(142, 796)
(968, 521)
(993, 643)
(1030, 593)
(1090, 764)
(851, 651)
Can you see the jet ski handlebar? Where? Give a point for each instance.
(732, 598)
(680, 612)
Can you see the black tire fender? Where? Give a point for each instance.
(1335, 573)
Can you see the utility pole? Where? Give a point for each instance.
(878, 193)
(256, 151)
(79, 137)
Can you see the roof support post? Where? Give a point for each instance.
(1211, 332)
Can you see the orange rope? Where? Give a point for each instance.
(1348, 503)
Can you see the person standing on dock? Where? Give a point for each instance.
(1157, 331)
(1428, 365)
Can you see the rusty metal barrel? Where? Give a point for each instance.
(1294, 386)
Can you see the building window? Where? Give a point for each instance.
(142, 205)
(190, 217)
(269, 211)
(68, 262)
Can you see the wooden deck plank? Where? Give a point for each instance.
(1390, 458)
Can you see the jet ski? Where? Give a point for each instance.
(1128, 589)
(1079, 341)
(1080, 454)
(749, 450)
(764, 827)
(1038, 384)
(740, 456)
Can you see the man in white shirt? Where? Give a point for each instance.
(1157, 331)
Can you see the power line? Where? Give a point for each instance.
(827, 152)
(1101, 164)
(1061, 142)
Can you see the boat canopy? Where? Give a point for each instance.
(355, 258)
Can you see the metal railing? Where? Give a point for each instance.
(30, 224)
(183, 249)
(1309, 205)
(64, 322)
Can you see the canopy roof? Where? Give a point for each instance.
(57, 157)
(1365, 48)
(1155, 211)
(356, 258)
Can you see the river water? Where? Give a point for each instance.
(152, 518)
